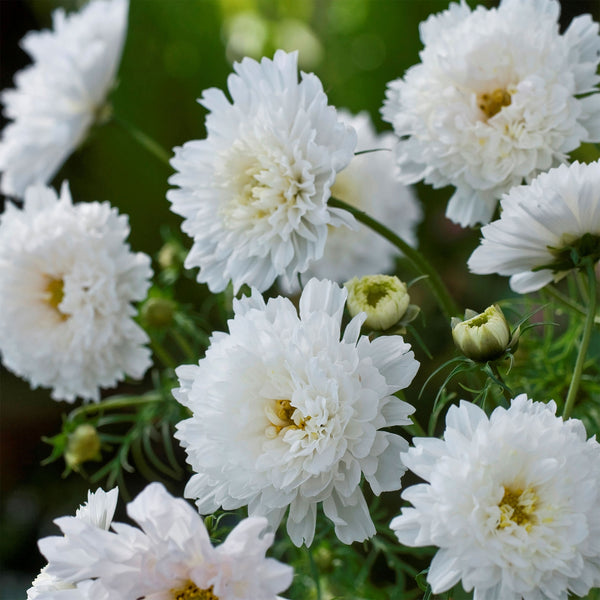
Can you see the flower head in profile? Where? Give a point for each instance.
(59, 96)
(545, 230)
(254, 193)
(67, 283)
(97, 512)
(499, 96)
(512, 502)
(368, 183)
(287, 414)
(169, 557)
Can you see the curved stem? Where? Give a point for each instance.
(115, 403)
(161, 353)
(567, 302)
(585, 341)
(418, 262)
(415, 428)
(508, 395)
(144, 140)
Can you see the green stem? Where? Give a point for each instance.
(160, 351)
(314, 572)
(416, 259)
(585, 341)
(144, 140)
(415, 428)
(567, 302)
(184, 345)
(115, 403)
(505, 389)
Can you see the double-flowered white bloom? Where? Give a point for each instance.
(499, 96)
(368, 183)
(59, 96)
(287, 414)
(545, 229)
(512, 502)
(254, 193)
(67, 282)
(169, 557)
(97, 512)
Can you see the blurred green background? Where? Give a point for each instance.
(174, 50)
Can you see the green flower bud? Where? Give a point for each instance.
(482, 337)
(82, 445)
(168, 256)
(383, 297)
(158, 312)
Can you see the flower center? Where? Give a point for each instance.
(256, 186)
(191, 592)
(55, 292)
(517, 507)
(282, 416)
(493, 102)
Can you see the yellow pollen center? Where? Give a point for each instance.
(55, 292)
(191, 592)
(282, 416)
(518, 507)
(492, 103)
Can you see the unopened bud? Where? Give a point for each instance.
(83, 445)
(383, 297)
(482, 337)
(158, 312)
(168, 255)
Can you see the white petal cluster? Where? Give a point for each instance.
(254, 193)
(97, 512)
(538, 225)
(67, 282)
(512, 502)
(368, 183)
(499, 96)
(57, 98)
(169, 557)
(287, 414)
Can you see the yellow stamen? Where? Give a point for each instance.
(282, 416)
(517, 507)
(190, 591)
(55, 292)
(492, 103)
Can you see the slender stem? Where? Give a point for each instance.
(418, 262)
(144, 140)
(585, 341)
(505, 389)
(415, 428)
(567, 302)
(184, 345)
(115, 403)
(314, 572)
(160, 351)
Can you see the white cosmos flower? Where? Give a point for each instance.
(285, 414)
(368, 183)
(540, 225)
(98, 512)
(169, 557)
(59, 96)
(254, 193)
(512, 502)
(499, 96)
(67, 282)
